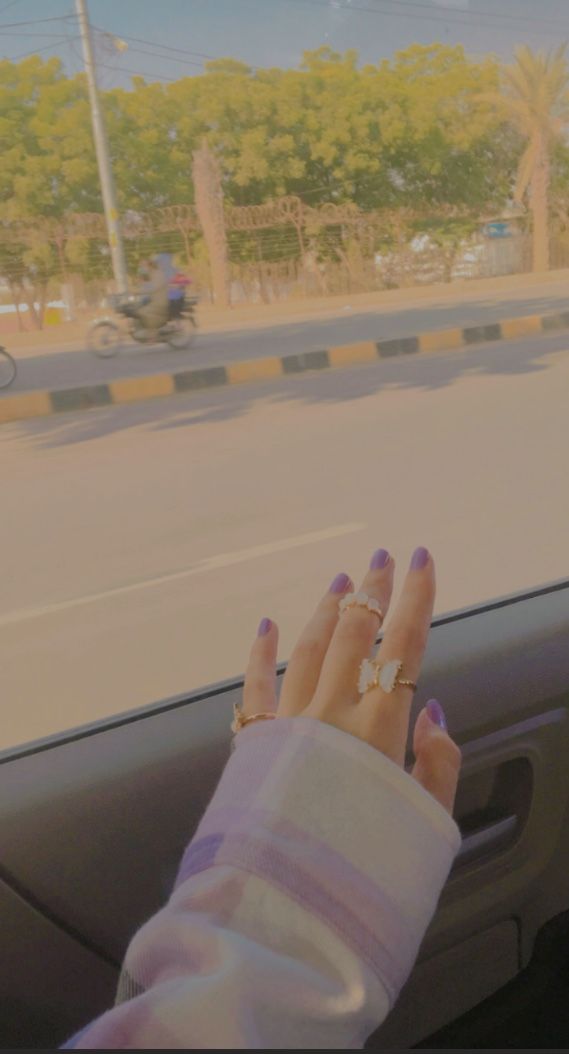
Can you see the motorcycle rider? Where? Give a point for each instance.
(152, 315)
(177, 289)
(153, 310)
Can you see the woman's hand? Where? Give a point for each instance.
(321, 680)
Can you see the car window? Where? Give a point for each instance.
(281, 282)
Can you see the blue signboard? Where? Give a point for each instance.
(498, 229)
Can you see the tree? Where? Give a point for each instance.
(142, 130)
(48, 158)
(437, 138)
(535, 99)
(409, 138)
(209, 204)
(407, 131)
(48, 169)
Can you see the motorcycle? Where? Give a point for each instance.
(105, 337)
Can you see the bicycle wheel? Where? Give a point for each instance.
(104, 339)
(7, 368)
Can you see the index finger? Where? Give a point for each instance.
(386, 714)
(259, 688)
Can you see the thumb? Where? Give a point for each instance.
(438, 758)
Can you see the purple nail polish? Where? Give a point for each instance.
(264, 627)
(436, 713)
(379, 560)
(419, 559)
(340, 583)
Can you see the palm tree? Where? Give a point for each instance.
(535, 99)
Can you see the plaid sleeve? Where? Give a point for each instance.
(299, 907)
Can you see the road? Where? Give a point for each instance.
(142, 544)
(69, 368)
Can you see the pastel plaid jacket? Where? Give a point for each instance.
(299, 907)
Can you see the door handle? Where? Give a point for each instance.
(488, 839)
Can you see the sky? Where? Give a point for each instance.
(175, 37)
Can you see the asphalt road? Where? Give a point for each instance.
(70, 368)
(142, 544)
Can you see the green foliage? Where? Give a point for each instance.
(534, 99)
(420, 132)
(48, 164)
(407, 131)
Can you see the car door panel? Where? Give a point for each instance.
(466, 973)
(96, 827)
(92, 826)
(49, 980)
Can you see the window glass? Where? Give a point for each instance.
(308, 297)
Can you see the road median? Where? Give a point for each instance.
(42, 403)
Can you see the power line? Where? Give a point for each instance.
(171, 58)
(182, 51)
(179, 51)
(169, 47)
(413, 6)
(38, 51)
(34, 35)
(560, 23)
(137, 73)
(75, 58)
(123, 69)
(11, 4)
(449, 15)
(36, 21)
(443, 16)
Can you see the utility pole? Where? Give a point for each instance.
(102, 150)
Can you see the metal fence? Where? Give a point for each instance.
(285, 249)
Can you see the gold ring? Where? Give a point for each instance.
(382, 675)
(239, 720)
(361, 600)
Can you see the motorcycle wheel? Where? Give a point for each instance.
(104, 339)
(181, 332)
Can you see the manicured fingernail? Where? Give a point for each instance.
(436, 713)
(264, 627)
(379, 559)
(419, 558)
(340, 583)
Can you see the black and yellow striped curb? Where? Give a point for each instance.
(134, 389)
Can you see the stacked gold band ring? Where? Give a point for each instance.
(361, 600)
